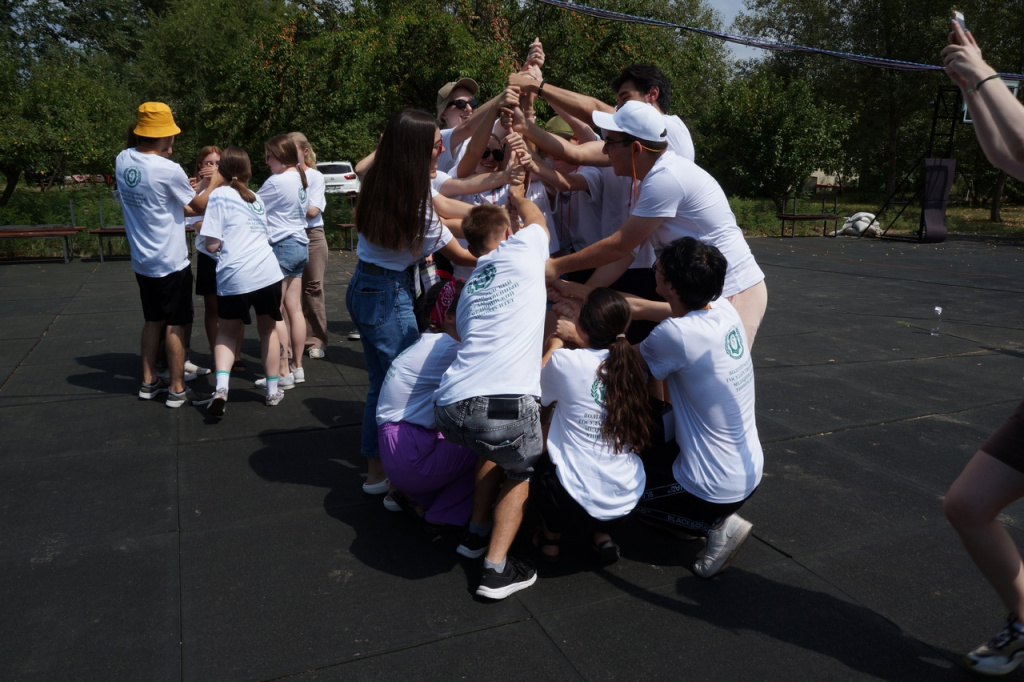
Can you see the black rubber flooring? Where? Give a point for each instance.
(143, 543)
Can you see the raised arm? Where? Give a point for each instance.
(573, 103)
(998, 115)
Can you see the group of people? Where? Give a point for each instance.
(530, 308)
(262, 251)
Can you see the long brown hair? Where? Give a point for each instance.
(282, 148)
(604, 318)
(236, 170)
(394, 200)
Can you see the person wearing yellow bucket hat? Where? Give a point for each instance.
(155, 197)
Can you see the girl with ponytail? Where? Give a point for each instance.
(248, 274)
(601, 420)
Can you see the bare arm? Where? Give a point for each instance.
(197, 206)
(587, 154)
(615, 246)
(998, 115)
(364, 163)
(527, 210)
(455, 252)
(575, 104)
(450, 208)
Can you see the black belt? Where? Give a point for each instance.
(374, 269)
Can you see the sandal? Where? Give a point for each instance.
(607, 553)
(540, 541)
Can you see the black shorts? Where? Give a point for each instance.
(265, 301)
(561, 512)
(1007, 444)
(167, 299)
(206, 275)
(639, 282)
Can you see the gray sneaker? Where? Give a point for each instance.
(150, 391)
(275, 399)
(354, 335)
(723, 543)
(1002, 654)
(219, 403)
(283, 383)
(188, 397)
(165, 374)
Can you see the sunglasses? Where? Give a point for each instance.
(498, 154)
(461, 104)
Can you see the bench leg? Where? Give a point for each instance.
(99, 237)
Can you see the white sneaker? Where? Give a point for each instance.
(723, 543)
(300, 374)
(275, 399)
(317, 353)
(219, 403)
(193, 368)
(283, 383)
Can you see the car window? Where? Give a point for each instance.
(334, 168)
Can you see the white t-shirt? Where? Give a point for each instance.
(694, 205)
(246, 262)
(449, 158)
(606, 483)
(500, 320)
(316, 193)
(706, 359)
(408, 391)
(440, 177)
(612, 193)
(154, 192)
(577, 218)
(436, 238)
(287, 202)
(536, 192)
(679, 140)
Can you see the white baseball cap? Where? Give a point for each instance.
(639, 119)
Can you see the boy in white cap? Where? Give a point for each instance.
(155, 197)
(677, 199)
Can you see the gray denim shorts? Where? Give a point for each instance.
(504, 429)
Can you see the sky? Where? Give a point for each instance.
(729, 9)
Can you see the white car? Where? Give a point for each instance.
(339, 177)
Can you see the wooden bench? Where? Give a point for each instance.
(66, 233)
(824, 215)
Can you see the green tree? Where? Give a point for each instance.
(766, 135)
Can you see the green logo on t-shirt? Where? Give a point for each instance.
(734, 344)
(597, 392)
(256, 207)
(302, 195)
(132, 176)
(482, 279)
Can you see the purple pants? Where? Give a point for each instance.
(436, 473)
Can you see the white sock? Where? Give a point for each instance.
(222, 379)
(271, 385)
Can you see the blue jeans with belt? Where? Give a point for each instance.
(380, 303)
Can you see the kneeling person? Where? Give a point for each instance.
(488, 398)
(702, 350)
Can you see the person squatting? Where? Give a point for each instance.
(527, 311)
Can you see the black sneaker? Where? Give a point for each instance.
(473, 546)
(518, 575)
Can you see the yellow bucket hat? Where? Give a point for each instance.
(155, 120)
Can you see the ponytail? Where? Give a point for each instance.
(604, 318)
(236, 170)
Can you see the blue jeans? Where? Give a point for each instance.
(291, 256)
(502, 429)
(381, 306)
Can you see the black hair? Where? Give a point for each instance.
(694, 270)
(645, 77)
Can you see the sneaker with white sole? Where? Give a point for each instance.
(723, 543)
(193, 368)
(150, 391)
(317, 353)
(166, 375)
(354, 335)
(283, 383)
(219, 403)
(518, 575)
(1001, 654)
(275, 399)
(300, 375)
(187, 397)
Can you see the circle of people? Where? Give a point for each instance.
(537, 304)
